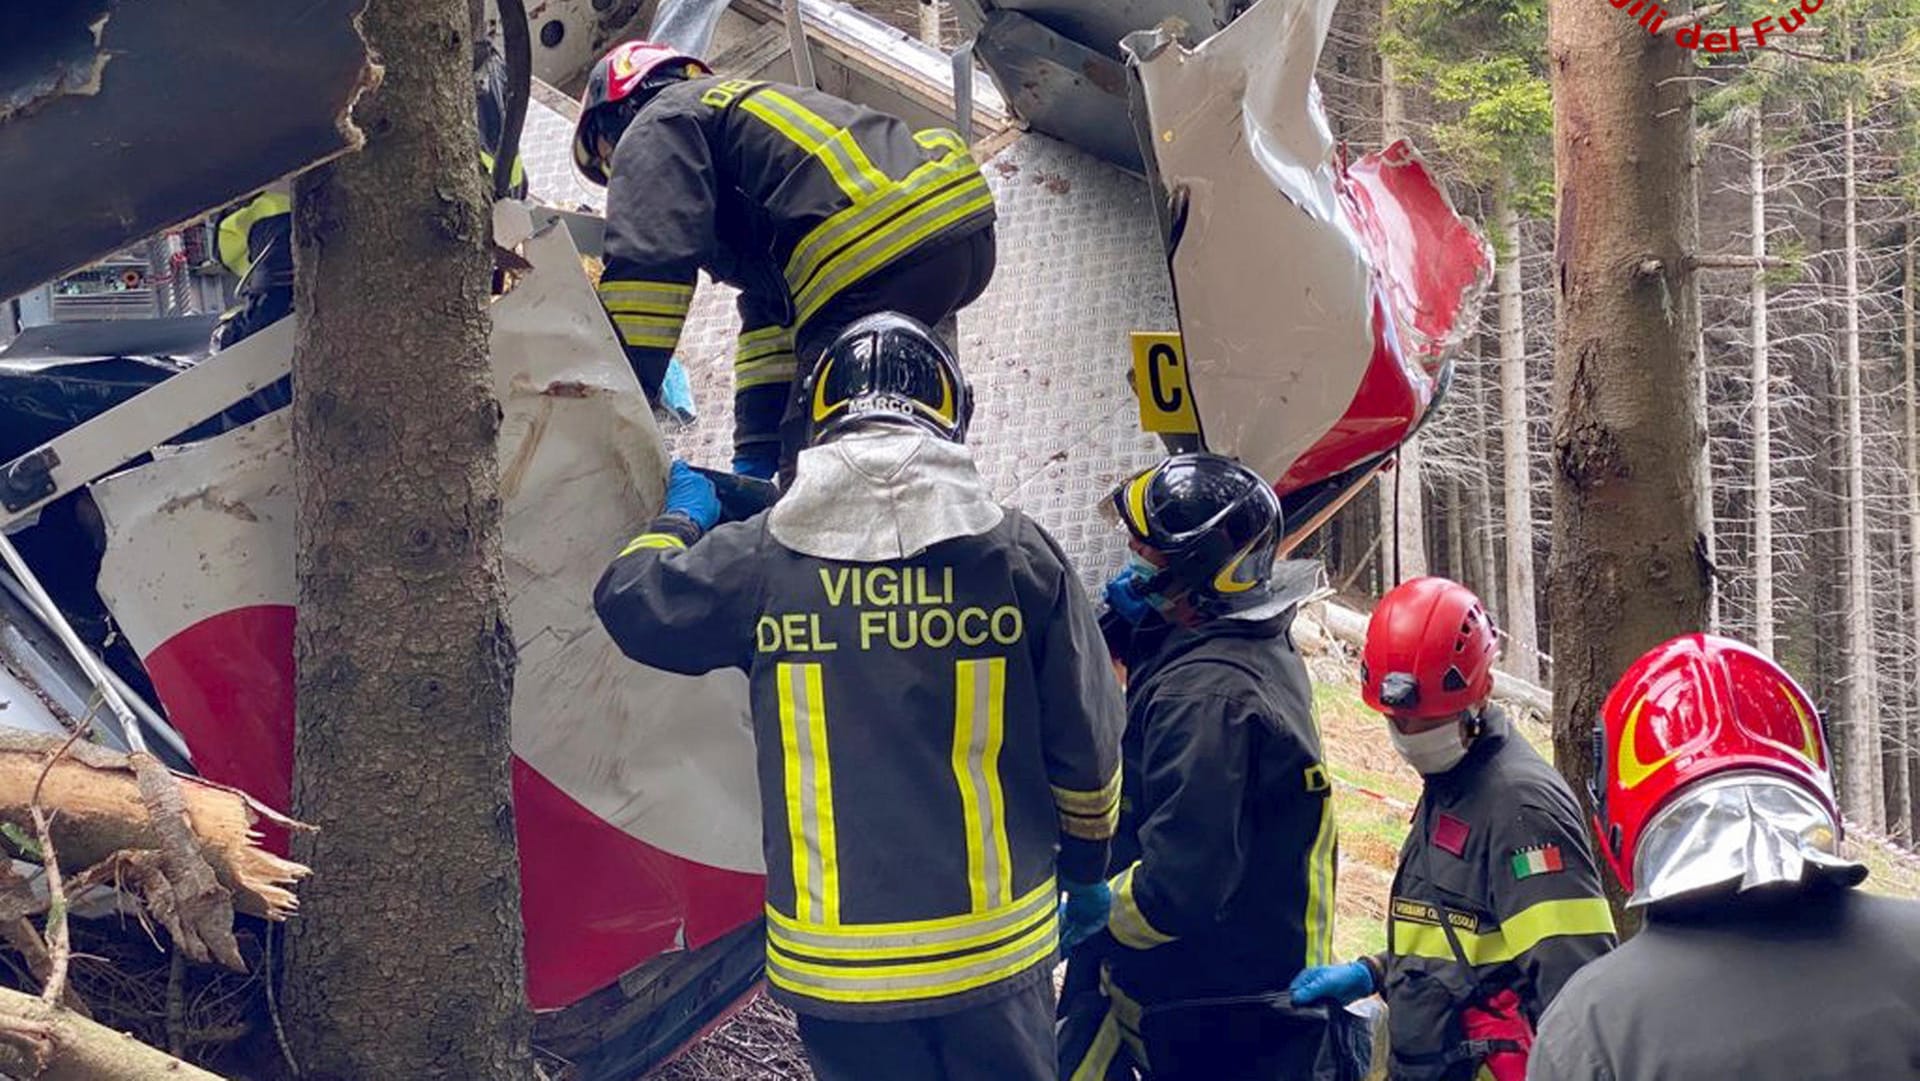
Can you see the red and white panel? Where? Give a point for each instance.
(633, 788)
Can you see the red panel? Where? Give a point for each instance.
(1384, 407)
(596, 901)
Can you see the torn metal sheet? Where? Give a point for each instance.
(117, 119)
(634, 790)
(1316, 302)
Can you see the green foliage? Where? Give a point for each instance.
(22, 841)
(1483, 62)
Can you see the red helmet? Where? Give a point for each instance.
(1430, 651)
(1696, 706)
(632, 66)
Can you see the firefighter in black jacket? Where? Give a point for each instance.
(1223, 877)
(937, 726)
(818, 210)
(1497, 900)
(1759, 959)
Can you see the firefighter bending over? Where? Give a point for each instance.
(818, 210)
(1759, 959)
(1497, 900)
(1224, 866)
(936, 725)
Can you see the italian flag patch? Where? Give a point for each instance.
(1538, 860)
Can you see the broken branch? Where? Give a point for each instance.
(47, 1043)
(1738, 262)
(1692, 18)
(100, 811)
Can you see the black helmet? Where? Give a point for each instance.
(887, 366)
(1216, 522)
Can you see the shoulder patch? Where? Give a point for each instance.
(1536, 860)
(1451, 833)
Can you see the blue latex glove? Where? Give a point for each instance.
(691, 494)
(1126, 597)
(676, 392)
(1084, 912)
(1339, 984)
(759, 463)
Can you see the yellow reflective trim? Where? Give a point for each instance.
(907, 927)
(926, 183)
(978, 732)
(1100, 1053)
(675, 290)
(941, 139)
(649, 331)
(791, 764)
(779, 368)
(860, 942)
(1091, 804)
(1520, 933)
(823, 792)
(833, 147)
(1129, 925)
(927, 979)
(1320, 889)
(653, 540)
(872, 252)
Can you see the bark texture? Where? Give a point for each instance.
(409, 964)
(46, 1043)
(1626, 570)
(1860, 770)
(1523, 634)
(1762, 381)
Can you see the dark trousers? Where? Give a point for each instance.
(1008, 1039)
(930, 287)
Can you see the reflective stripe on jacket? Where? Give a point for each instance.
(1497, 889)
(1228, 805)
(791, 195)
(934, 736)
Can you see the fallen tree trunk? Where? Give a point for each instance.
(1350, 627)
(99, 814)
(48, 1043)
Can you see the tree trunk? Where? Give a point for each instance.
(407, 959)
(1625, 572)
(1762, 396)
(1485, 524)
(932, 12)
(1911, 347)
(1703, 471)
(1457, 515)
(1523, 635)
(1860, 789)
(1403, 509)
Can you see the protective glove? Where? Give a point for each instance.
(1126, 598)
(1083, 913)
(1340, 984)
(693, 495)
(760, 463)
(676, 394)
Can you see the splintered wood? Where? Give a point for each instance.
(194, 838)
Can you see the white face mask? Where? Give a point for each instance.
(1436, 750)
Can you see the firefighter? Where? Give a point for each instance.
(937, 728)
(1497, 899)
(254, 240)
(1759, 960)
(818, 210)
(1224, 874)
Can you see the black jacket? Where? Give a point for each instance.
(1224, 877)
(1496, 889)
(1817, 984)
(933, 734)
(790, 195)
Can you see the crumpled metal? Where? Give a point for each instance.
(884, 494)
(1747, 827)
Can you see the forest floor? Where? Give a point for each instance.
(1374, 794)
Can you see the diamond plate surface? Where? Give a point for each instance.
(546, 149)
(1080, 265)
